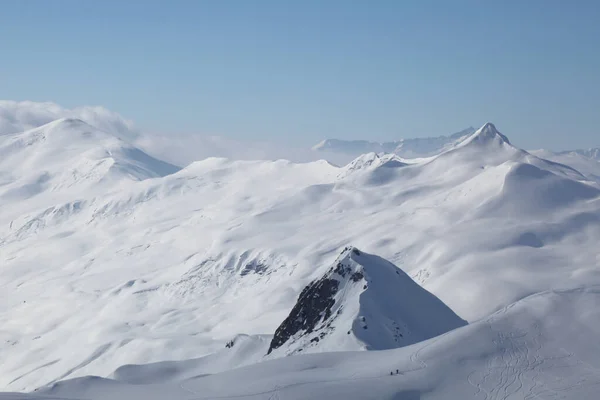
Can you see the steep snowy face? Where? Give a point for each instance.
(486, 136)
(362, 302)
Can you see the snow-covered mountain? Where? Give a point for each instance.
(19, 116)
(362, 302)
(593, 153)
(49, 173)
(69, 152)
(117, 265)
(585, 161)
(406, 148)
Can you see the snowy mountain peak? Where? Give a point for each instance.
(486, 136)
(371, 161)
(362, 302)
(69, 153)
(69, 121)
(489, 132)
(70, 132)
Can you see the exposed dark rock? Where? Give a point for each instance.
(357, 276)
(313, 306)
(341, 269)
(254, 267)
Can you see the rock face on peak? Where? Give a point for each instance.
(362, 302)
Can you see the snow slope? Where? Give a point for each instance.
(132, 264)
(537, 348)
(68, 153)
(585, 161)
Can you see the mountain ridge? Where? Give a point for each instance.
(409, 148)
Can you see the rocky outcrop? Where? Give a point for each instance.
(361, 302)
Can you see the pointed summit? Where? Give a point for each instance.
(362, 302)
(485, 136)
(489, 132)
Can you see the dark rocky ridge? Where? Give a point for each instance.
(362, 302)
(314, 304)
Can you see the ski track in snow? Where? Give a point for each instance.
(517, 373)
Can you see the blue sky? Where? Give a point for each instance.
(300, 71)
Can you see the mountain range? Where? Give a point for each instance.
(471, 272)
(408, 148)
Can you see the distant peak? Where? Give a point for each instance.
(70, 122)
(487, 133)
(489, 127)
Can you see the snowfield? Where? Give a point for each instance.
(124, 276)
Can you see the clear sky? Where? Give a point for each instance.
(301, 71)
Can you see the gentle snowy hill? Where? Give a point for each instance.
(239, 351)
(69, 153)
(406, 148)
(110, 260)
(362, 302)
(20, 116)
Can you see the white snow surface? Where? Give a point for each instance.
(541, 347)
(110, 258)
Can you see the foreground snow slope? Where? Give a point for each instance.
(121, 268)
(538, 348)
